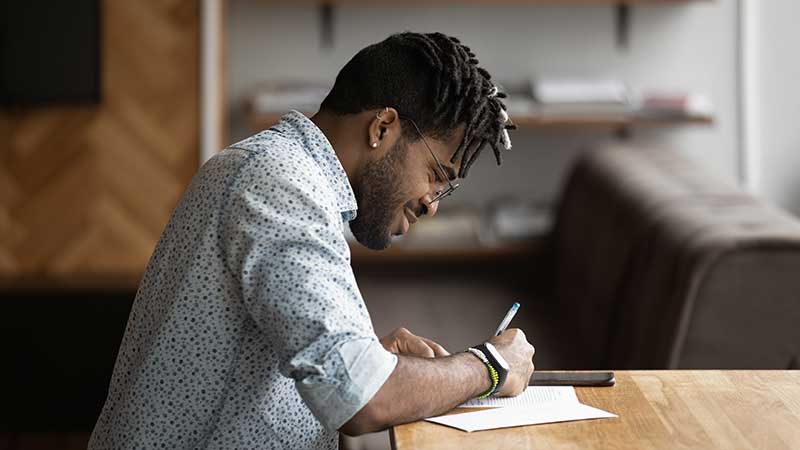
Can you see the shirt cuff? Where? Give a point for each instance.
(366, 365)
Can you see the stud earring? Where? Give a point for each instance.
(374, 145)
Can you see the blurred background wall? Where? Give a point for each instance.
(772, 107)
(674, 45)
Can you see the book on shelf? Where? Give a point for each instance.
(513, 220)
(281, 97)
(565, 110)
(673, 104)
(562, 97)
(579, 90)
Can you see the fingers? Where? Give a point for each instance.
(394, 340)
(515, 333)
(402, 341)
(438, 350)
(418, 347)
(390, 343)
(508, 336)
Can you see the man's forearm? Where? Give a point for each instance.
(419, 388)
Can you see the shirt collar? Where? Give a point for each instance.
(300, 127)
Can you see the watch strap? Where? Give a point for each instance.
(494, 377)
(500, 368)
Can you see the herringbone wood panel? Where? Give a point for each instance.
(86, 190)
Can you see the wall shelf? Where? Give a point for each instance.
(615, 121)
(622, 13)
(258, 122)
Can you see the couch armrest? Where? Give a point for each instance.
(648, 250)
(744, 312)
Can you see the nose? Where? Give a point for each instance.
(431, 207)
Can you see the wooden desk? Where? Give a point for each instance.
(692, 409)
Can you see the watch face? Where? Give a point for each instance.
(497, 356)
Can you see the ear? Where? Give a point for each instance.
(384, 130)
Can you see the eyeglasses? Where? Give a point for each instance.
(450, 186)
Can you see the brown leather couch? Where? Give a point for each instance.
(658, 264)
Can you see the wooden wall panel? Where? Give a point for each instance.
(86, 190)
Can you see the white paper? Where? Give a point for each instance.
(533, 395)
(514, 416)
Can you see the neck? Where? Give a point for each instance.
(340, 136)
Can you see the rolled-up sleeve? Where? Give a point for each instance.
(283, 239)
(358, 369)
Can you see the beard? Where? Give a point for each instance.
(378, 195)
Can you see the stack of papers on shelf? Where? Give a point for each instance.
(515, 221)
(537, 405)
(454, 228)
(520, 104)
(580, 97)
(282, 97)
(674, 104)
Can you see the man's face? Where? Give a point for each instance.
(397, 188)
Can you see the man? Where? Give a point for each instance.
(248, 329)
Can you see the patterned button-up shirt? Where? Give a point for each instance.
(248, 329)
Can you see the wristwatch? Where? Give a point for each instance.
(497, 362)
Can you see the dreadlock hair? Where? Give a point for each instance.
(433, 80)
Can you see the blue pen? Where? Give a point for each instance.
(507, 319)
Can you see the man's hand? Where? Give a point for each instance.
(518, 353)
(431, 386)
(404, 342)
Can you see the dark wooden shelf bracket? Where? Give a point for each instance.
(326, 10)
(622, 25)
(624, 133)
